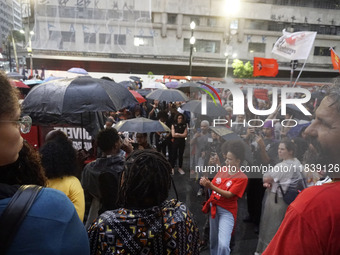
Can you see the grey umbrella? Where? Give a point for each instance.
(214, 110)
(141, 125)
(188, 87)
(15, 75)
(168, 95)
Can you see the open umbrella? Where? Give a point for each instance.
(229, 135)
(172, 84)
(214, 110)
(138, 96)
(128, 84)
(77, 95)
(33, 82)
(297, 113)
(189, 87)
(77, 70)
(168, 95)
(141, 125)
(19, 84)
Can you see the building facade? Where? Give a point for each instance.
(133, 36)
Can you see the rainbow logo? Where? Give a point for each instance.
(209, 93)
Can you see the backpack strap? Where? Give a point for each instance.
(14, 214)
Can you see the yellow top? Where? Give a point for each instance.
(71, 186)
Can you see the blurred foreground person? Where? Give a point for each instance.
(51, 225)
(312, 222)
(146, 223)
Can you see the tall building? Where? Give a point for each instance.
(137, 36)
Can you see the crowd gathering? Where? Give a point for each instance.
(119, 202)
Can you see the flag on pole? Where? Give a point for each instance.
(294, 45)
(335, 60)
(265, 67)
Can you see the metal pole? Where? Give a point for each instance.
(9, 56)
(226, 66)
(190, 59)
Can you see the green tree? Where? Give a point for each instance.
(242, 70)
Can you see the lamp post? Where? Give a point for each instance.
(192, 42)
(231, 8)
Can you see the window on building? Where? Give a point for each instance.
(89, 38)
(172, 18)
(204, 46)
(120, 39)
(212, 22)
(105, 38)
(143, 41)
(322, 51)
(256, 47)
(196, 19)
(68, 36)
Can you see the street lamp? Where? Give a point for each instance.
(192, 42)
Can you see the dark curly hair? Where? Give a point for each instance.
(146, 180)
(59, 158)
(236, 147)
(8, 97)
(26, 170)
(107, 138)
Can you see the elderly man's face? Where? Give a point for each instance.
(324, 134)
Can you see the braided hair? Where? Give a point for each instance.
(146, 180)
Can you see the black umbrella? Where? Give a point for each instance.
(128, 85)
(168, 95)
(135, 78)
(213, 109)
(141, 125)
(77, 95)
(229, 135)
(189, 87)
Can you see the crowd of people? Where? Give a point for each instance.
(119, 203)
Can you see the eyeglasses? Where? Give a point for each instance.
(25, 124)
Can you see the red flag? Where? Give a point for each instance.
(335, 60)
(265, 67)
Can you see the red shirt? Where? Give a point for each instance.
(311, 224)
(236, 184)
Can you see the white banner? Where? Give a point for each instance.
(294, 45)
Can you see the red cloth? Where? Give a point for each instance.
(236, 184)
(265, 67)
(311, 224)
(335, 60)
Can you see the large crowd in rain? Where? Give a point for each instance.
(115, 197)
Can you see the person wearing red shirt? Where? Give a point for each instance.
(312, 222)
(227, 187)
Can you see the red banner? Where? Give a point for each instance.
(265, 67)
(335, 60)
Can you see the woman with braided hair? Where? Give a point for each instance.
(146, 223)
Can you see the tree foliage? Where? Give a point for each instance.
(242, 70)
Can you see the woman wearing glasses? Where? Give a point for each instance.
(51, 225)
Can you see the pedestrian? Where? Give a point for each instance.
(226, 188)
(51, 225)
(100, 178)
(146, 223)
(58, 158)
(277, 181)
(179, 131)
(312, 222)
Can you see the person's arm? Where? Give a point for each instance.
(208, 184)
(264, 156)
(173, 131)
(182, 135)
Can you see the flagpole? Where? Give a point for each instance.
(291, 74)
(297, 78)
